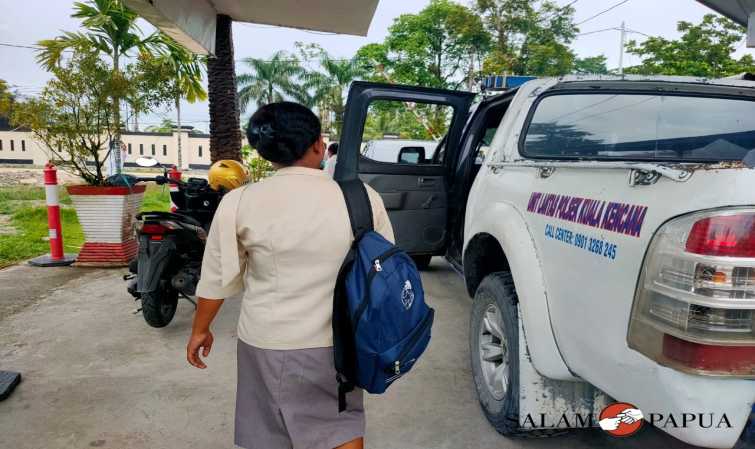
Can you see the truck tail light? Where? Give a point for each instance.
(694, 309)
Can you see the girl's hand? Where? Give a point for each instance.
(199, 340)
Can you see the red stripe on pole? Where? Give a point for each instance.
(56, 232)
(53, 216)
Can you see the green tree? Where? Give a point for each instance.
(270, 80)
(7, 100)
(380, 123)
(166, 125)
(183, 72)
(591, 65)
(73, 116)
(529, 37)
(441, 46)
(259, 168)
(110, 28)
(704, 50)
(327, 87)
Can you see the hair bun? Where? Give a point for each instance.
(283, 132)
(261, 135)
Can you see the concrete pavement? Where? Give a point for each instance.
(95, 375)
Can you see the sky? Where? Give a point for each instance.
(24, 23)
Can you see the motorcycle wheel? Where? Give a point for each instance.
(159, 306)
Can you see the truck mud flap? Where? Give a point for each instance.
(554, 404)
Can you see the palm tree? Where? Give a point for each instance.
(271, 80)
(225, 132)
(330, 86)
(167, 125)
(110, 27)
(187, 68)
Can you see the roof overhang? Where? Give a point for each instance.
(192, 22)
(740, 11)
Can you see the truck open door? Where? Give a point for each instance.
(414, 188)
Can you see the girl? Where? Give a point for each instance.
(281, 241)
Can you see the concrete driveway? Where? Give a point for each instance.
(95, 375)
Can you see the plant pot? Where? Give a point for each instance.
(106, 215)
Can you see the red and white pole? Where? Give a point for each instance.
(57, 256)
(53, 212)
(173, 174)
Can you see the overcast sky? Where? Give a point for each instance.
(24, 23)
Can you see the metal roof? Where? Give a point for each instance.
(192, 22)
(740, 11)
(737, 10)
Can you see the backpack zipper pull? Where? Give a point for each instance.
(397, 367)
(378, 267)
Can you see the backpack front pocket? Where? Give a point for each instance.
(399, 359)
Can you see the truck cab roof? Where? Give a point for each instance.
(691, 84)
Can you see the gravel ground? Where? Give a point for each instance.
(20, 177)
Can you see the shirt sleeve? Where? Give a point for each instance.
(222, 244)
(380, 216)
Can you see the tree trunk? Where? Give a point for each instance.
(225, 132)
(180, 130)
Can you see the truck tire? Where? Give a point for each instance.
(494, 350)
(423, 261)
(158, 307)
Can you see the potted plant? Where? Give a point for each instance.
(72, 117)
(78, 115)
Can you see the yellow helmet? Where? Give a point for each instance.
(227, 174)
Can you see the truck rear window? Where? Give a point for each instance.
(641, 127)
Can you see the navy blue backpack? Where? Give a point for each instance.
(381, 324)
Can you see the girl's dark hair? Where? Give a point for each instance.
(333, 148)
(282, 132)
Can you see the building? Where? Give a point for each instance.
(20, 148)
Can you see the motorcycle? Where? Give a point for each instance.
(171, 245)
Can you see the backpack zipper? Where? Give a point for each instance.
(376, 267)
(426, 322)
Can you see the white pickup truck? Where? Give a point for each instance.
(605, 228)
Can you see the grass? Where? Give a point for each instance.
(156, 198)
(24, 205)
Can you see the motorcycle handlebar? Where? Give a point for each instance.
(160, 180)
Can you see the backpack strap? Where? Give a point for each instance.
(358, 206)
(344, 350)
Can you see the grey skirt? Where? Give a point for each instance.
(289, 399)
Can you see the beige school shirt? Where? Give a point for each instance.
(281, 241)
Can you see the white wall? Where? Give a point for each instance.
(21, 148)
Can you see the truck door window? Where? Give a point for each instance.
(402, 132)
(633, 126)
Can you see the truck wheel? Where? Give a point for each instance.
(159, 306)
(423, 261)
(494, 348)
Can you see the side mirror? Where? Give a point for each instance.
(411, 155)
(146, 162)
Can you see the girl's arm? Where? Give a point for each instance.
(201, 337)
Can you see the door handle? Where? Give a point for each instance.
(423, 181)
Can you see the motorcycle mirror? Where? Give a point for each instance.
(146, 162)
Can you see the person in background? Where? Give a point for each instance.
(281, 242)
(330, 164)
